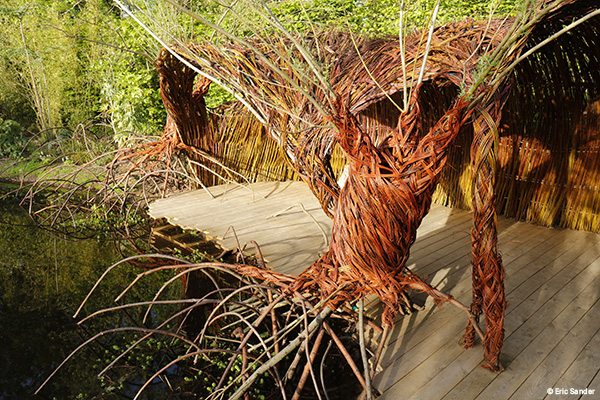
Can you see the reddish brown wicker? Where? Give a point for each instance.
(396, 156)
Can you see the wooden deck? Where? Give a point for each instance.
(284, 218)
(552, 325)
(552, 338)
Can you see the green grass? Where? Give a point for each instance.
(49, 169)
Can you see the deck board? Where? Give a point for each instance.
(552, 324)
(562, 355)
(524, 324)
(284, 218)
(584, 368)
(549, 333)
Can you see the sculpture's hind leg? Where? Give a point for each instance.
(487, 268)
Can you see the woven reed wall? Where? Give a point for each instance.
(549, 150)
(547, 182)
(242, 145)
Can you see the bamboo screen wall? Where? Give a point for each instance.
(549, 150)
(551, 180)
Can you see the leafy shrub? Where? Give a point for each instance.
(11, 138)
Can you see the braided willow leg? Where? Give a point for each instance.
(487, 268)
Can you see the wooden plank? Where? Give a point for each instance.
(520, 367)
(439, 217)
(469, 360)
(594, 384)
(583, 369)
(444, 261)
(554, 296)
(284, 218)
(420, 359)
(563, 354)
(549, 283)
(478, 379)
(511, 250)
(462, 290)
(438, 223)
(425, 252)
(547, 373)
(418, 372)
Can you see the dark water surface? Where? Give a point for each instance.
(43, 279)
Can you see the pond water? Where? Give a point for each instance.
(43, 279)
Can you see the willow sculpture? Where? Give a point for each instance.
(395, 110)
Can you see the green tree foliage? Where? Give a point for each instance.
(119, 60)
(63, 62)
(11, 138)
(28, 58)
(377, 17)
(128, 87)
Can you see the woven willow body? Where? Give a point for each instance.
(396, 158)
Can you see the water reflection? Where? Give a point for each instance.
(43, 279)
